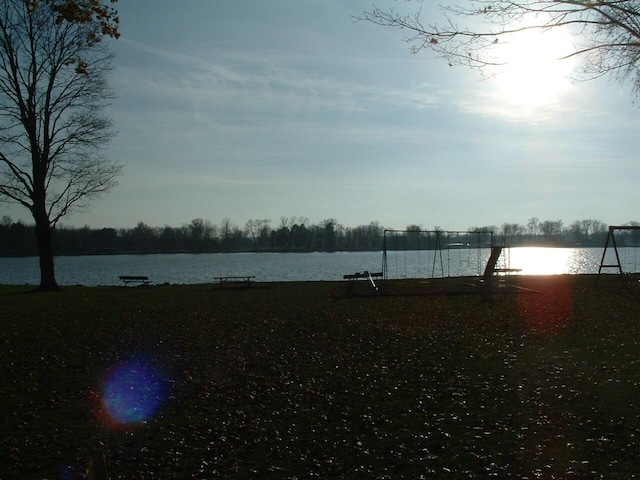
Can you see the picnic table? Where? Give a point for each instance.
(139, 279)
(247, 279)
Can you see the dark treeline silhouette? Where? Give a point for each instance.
(291, 234)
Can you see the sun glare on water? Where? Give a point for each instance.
(534, 73)
(540, 260)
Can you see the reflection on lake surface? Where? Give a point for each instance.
(555, 261)
(267, 267)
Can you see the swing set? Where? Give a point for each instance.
(435, 253)
(624, 266)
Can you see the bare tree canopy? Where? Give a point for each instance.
(605, 34)
(53, 91)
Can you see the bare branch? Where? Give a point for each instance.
(607, 33)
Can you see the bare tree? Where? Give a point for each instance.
(53, 92)
(257, 229)
(551, 228)
(510, 230)
(227, 228)
(606, 33)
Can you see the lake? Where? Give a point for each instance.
(269, 267)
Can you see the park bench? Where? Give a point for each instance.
(138, 279)
(354, 277)
(245, 279)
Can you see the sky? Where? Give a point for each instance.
(246, 109)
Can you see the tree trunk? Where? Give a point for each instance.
(44, 240)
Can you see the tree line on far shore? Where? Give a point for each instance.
(291, 234)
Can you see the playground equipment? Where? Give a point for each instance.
(435, 253)
(618, 265)
(419, 254)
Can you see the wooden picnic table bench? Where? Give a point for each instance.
(353, 277)
(139, 279)
(235, 278)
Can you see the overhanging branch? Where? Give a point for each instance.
(612, 27)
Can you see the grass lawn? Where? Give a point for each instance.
(290, 380)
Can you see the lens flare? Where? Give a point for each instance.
(550, 310)
(132, 392)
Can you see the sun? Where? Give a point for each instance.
(534, 73)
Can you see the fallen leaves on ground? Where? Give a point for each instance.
(290, 381)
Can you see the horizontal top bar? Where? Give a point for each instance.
(624, 227)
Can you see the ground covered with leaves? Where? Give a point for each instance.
(305, 380)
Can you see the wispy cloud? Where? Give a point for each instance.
(313, 104)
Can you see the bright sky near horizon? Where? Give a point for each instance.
(253, 109)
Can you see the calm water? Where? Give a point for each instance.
(186, 268)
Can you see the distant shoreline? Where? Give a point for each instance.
(266, 251)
